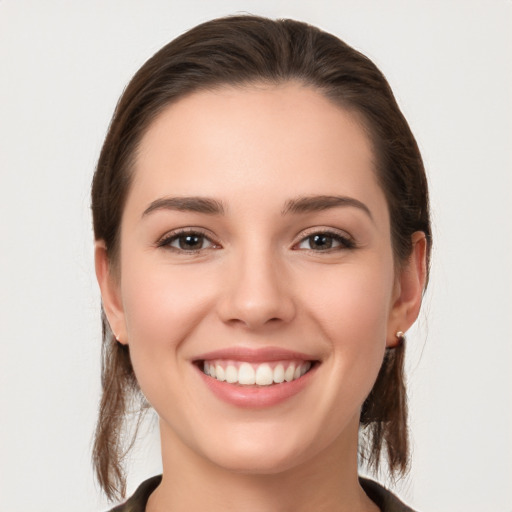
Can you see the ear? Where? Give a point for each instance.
(409, 287)
(110, 292)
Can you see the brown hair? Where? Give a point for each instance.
(241, 50)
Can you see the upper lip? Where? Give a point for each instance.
(254, 355)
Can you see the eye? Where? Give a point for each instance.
(187, 241)
(325, 241)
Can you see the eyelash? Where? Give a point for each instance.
(345, 242)
(167, 240)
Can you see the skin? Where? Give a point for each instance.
(258, 281)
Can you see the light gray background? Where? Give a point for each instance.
(62, 67)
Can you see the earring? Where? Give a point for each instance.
(400, 336)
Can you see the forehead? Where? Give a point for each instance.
(275, 141)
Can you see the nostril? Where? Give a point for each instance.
(255, 299)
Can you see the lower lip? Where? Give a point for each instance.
(256, 397)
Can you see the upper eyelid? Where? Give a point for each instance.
(170, 235)
(186, 230)
(322, 230)
(345, 239)
(299, 237)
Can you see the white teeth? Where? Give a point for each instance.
(220, 372)
(209, 369)
(231, 374)
(288, 374)
(264, 375)
(304, 368)
(279, 374)
(260, 374)
(246, 374)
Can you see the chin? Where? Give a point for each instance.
(264, 453)
(256, 463)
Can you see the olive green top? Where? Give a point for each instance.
(385, 500)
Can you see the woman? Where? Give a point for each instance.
(262, 243)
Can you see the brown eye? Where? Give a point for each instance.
(320, 242)
(324, 242)
(187, 242)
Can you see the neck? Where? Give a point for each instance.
(326, 483)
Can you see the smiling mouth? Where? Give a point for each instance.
(255, 374)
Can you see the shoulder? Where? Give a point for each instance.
(384, 499)
(137, 502)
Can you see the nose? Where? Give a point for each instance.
(257, 293)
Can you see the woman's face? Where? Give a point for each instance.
(255, 241)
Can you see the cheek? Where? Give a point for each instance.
(352, 301)
(352, 309)
(162, 303)
(163, 307)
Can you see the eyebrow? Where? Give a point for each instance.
(310, 204)
(299, 205)
(187, 204)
